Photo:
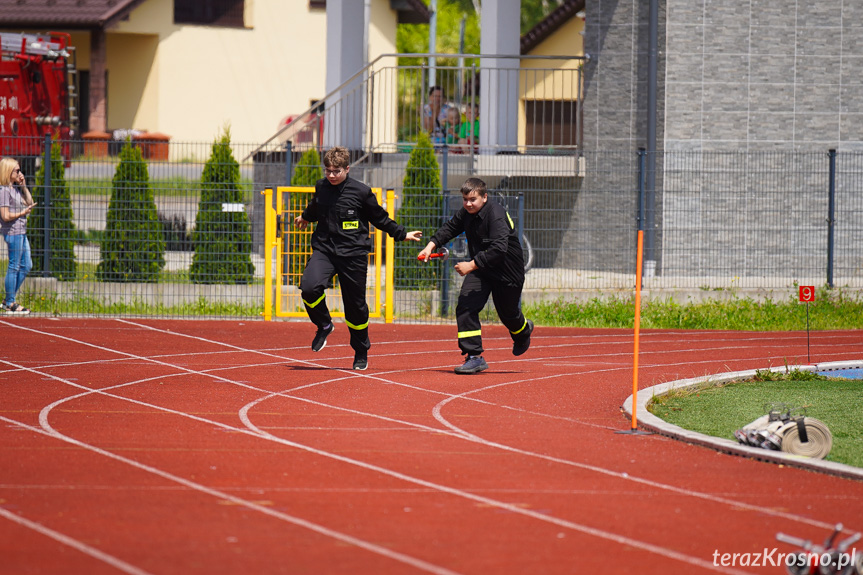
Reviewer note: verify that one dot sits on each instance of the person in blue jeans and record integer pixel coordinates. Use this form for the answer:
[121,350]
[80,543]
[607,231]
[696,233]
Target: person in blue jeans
[16,203]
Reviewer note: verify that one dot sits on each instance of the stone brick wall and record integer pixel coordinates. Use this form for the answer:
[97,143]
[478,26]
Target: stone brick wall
[746,77]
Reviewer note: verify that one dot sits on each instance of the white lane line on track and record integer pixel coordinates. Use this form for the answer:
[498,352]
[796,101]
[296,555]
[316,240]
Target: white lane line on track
[614,537]
[223,495]
[74,543]
[470,437]
[462,434]
[491,502]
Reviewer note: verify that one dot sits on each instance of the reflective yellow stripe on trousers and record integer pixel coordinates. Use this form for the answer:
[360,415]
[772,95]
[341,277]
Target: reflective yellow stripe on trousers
[319,300]
[464,334]
[521,329]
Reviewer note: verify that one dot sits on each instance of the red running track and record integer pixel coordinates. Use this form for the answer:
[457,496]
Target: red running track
[224,447]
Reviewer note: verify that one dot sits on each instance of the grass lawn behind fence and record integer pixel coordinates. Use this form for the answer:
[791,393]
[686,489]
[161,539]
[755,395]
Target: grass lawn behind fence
[720,410]
[833,309]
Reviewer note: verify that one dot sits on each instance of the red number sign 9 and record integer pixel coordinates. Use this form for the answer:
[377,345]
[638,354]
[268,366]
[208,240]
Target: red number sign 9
[807,293]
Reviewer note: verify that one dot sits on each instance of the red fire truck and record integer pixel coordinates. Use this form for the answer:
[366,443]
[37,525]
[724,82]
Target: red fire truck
[38,94]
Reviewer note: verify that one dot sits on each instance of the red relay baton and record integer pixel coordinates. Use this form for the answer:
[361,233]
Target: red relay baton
[442,254]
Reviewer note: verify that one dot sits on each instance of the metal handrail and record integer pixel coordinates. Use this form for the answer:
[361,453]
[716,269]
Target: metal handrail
[298,122]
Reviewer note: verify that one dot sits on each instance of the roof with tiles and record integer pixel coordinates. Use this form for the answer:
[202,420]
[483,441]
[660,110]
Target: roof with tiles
[550,24]
[66,14]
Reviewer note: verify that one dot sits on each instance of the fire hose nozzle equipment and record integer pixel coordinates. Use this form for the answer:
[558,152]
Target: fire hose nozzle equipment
[829,558]
[442,254]
[780,430]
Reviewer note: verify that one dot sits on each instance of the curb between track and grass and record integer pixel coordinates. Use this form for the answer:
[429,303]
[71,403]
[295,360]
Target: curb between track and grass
[650,422]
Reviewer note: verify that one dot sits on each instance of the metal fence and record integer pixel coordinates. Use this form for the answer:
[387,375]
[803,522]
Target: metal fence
[740,224]
[527,104]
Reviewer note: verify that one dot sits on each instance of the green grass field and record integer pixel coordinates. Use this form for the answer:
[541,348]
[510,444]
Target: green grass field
[720,410]
[833,309]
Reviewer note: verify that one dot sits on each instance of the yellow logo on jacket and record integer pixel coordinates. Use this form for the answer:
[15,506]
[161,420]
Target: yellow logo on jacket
[353,225]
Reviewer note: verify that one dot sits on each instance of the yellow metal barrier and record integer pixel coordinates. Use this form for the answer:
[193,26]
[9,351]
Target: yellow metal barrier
[287,249]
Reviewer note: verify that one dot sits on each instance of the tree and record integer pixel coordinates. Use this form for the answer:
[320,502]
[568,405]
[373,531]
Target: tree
[61,257]
[133,247]
[299,248]
[414,38]
[223,233]
[421,209]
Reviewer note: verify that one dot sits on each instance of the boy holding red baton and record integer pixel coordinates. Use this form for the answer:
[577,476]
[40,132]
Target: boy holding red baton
[496,269]
[343,209]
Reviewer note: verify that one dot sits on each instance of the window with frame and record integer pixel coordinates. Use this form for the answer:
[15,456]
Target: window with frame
[551,123]
[228,13]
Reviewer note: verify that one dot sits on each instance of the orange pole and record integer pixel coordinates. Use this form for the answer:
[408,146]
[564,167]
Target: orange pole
[638,264]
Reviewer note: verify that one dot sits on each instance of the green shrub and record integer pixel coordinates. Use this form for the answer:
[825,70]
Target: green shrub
[133,248]
[307,173]
[222,238]
[421,210]
[61,256]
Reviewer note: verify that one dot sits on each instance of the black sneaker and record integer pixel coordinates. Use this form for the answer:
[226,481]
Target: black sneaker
[361,360]
[521,345]
[320,341]
[472,365]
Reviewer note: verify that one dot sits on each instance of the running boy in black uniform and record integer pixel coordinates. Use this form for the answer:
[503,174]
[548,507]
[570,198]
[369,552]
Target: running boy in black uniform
[496,268]
[343,208]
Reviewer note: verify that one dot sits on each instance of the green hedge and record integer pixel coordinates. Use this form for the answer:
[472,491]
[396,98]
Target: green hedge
[307,173]
[222,237]
[133,247]
[420,210]
[61,259]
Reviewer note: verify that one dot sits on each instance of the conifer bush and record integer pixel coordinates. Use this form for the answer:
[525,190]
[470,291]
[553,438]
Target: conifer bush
[420,210]
[61,256]
[307,173]
[133,247]
[222,235]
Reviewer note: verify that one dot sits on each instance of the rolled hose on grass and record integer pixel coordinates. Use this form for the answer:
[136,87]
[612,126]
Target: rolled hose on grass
[819,443]
[784,435]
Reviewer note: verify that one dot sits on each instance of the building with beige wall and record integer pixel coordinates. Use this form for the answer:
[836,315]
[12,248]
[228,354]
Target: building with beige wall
[551,78]
[190,80]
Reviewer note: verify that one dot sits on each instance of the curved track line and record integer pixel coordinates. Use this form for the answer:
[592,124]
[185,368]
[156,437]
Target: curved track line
[457,432]
[617,474]
[463,434]
[70,542]
[50,431]
[612,536]
[222,495]
[599,533]
[43,420]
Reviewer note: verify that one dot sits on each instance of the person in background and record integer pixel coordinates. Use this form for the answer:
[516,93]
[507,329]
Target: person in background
[16,203]
[434,115]
[452,125]
[469,131]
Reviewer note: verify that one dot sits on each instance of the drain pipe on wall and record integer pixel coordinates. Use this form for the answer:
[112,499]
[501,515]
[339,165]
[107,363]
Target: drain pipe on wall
[650,226]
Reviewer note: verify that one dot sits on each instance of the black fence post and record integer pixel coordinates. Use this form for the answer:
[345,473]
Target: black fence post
[642,174]
[444,285]
[831,207]
[46,208]
[289,163]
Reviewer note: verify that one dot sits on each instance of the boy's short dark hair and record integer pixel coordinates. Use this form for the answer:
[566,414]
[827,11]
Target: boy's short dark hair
[474,185]
[337,157]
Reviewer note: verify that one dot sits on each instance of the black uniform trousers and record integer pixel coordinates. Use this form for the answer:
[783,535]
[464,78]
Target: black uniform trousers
[352,273]
[473,297]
